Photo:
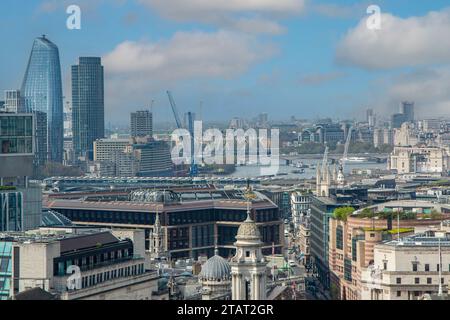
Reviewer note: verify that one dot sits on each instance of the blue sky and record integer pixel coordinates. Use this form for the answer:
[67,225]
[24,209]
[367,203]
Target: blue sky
[303,58]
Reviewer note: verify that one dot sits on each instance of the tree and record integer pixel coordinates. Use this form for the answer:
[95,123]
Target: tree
[341,214]
[311,148]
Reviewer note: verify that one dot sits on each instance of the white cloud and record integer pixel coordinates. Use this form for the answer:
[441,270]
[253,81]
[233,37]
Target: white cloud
[133,69]
[188,54]
[249,16]
[201,9]
[401,42]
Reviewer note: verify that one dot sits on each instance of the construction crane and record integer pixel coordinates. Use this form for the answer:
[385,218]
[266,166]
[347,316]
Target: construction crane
[174,109]
[347,145]
[190,128]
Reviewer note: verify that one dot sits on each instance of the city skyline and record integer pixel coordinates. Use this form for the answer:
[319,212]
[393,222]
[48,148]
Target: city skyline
[303,58]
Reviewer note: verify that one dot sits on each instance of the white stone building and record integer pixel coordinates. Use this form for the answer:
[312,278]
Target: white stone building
[409,268]
[406,160]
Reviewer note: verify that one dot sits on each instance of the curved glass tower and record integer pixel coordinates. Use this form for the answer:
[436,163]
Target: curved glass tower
[42,92]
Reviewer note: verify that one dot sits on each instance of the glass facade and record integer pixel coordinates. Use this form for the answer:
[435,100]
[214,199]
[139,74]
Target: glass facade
[348,269]
[11,203]
[42,92]
[339,237]
[16,134]
[5,269]
[88,109]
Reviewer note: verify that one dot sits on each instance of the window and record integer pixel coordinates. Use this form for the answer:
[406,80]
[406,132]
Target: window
[427,267]
[416,280]
[247,254]
[399,280]
[339,238]
[414,267]
[399,293]
[437,267]
[429,281]
[384,265]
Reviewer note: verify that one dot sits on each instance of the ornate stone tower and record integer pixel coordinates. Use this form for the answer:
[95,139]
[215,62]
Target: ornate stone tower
[323,181]
[157,240]
[341,177]
[248,266]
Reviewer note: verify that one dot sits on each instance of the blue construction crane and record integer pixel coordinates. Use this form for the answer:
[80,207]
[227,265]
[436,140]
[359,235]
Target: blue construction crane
[190,127]
[174,109]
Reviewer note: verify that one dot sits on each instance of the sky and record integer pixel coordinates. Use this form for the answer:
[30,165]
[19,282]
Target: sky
[233,58]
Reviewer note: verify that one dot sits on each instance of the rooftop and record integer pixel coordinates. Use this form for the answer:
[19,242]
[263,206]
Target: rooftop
[70,238]
[233,199]
[421,240]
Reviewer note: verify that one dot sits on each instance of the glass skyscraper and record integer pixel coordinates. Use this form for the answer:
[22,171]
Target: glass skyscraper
[42,92]
[88,109]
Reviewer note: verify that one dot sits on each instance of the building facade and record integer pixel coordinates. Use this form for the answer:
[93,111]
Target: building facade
[104,149]
[88,106]
[190,221]
[142,124]
[154,159]
[409,268]
[14,102]
[352,241]
[81,264]
[42,92]
[20,200]
[405,160]
[300,207]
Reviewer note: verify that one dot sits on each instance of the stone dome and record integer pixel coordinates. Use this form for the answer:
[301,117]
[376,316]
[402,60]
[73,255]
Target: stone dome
[248,230]
[216,268]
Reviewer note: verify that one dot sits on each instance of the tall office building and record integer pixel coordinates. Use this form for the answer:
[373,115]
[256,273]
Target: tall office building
[397,120]
[407,108]
[42,92]
[141,124]
[88,108]
[371,119]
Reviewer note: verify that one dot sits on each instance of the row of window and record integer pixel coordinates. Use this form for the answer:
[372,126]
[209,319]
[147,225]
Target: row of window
[90,262]
[417,280]
[415,267]
[98,278]
[16,126]
[178,218]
